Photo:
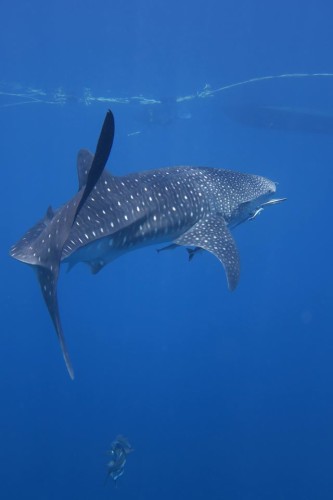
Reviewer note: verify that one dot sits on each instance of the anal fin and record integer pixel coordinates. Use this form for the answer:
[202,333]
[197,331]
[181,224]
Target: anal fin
[96,266]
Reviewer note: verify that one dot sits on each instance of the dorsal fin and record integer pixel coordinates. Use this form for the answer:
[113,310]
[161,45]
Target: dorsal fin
[84,162]
[103,149]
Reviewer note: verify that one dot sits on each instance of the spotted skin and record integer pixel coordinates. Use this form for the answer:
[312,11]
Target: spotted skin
[111,215]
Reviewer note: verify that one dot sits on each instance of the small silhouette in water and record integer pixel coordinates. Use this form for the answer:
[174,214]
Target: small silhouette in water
[119,450]
[191,251]
[287,119]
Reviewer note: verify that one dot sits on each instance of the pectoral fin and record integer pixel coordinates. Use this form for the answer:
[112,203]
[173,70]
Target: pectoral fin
[211,233]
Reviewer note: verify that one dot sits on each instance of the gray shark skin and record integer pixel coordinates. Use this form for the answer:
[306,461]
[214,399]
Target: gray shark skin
[111,215]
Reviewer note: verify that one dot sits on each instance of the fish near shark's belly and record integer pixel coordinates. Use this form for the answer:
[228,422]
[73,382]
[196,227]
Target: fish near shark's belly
[105,250]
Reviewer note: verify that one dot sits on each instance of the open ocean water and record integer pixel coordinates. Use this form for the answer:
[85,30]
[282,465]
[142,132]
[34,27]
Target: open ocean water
[223,396]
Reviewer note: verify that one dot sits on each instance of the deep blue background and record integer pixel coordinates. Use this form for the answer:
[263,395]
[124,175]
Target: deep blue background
[221,395]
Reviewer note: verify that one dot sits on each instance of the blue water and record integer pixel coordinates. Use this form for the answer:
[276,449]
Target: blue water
[222,395]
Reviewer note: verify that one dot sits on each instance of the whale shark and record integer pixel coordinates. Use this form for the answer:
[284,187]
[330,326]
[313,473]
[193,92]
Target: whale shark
[195,207]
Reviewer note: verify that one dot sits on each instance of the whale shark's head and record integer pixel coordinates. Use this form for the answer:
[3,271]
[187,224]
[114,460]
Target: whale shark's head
[258,193]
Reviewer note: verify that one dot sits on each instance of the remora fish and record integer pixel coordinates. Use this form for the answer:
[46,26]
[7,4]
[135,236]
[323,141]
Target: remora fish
[110,215]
